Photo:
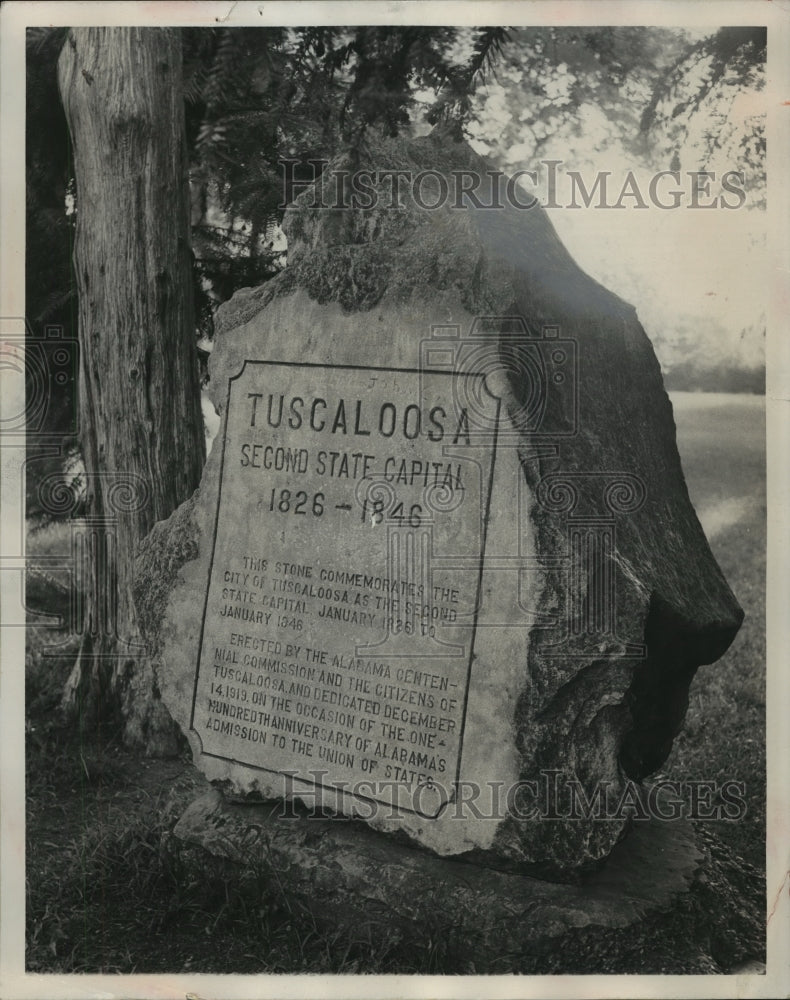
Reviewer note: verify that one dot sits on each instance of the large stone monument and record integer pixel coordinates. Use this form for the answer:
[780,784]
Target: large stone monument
[442,573]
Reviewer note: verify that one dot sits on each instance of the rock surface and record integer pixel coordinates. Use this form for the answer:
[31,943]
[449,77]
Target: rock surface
[599,596]
[669,899]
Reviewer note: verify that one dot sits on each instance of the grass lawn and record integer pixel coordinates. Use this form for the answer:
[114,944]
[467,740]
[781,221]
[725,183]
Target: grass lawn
[110,890]
[721,439]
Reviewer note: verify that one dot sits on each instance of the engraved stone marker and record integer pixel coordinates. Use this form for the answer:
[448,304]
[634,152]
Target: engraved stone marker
[442,573]
[334,645]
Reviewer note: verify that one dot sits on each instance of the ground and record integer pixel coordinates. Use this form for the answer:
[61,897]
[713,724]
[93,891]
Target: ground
[721,439]
[110,890]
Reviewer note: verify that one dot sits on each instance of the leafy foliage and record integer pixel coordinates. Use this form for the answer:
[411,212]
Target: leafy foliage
[652,92]
[50,295]
[253,96]
[698,95]
[548,76]
[256,96]
[51,298]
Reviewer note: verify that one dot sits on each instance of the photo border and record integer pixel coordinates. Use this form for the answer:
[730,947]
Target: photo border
[15,984]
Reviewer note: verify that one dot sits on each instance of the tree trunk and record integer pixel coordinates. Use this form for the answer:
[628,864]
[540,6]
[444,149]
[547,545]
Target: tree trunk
[140,418]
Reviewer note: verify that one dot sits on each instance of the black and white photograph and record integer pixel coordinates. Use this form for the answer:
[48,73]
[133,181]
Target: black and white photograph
[395,498]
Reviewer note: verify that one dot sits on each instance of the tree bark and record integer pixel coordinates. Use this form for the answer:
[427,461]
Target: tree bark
[140,418]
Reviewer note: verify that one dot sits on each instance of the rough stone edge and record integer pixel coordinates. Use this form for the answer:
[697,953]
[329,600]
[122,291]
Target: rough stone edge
[166,548]
[689,915]
[370,879]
